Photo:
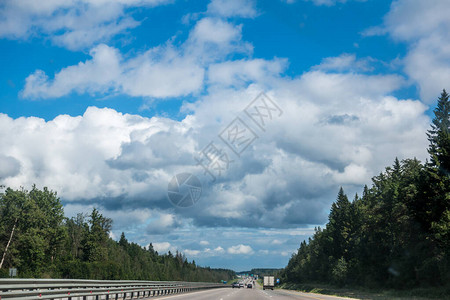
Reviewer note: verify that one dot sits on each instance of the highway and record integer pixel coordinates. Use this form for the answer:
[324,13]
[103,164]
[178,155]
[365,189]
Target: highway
[250,294]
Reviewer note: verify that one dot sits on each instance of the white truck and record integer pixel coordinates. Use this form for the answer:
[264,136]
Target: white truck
[268,282]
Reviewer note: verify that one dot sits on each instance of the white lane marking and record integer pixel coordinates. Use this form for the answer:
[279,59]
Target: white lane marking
[191,293]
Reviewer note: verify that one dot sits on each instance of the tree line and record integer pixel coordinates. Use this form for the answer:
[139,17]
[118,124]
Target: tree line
[38,240]
[397,234]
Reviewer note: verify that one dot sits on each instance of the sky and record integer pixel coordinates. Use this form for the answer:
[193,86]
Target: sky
[272,105]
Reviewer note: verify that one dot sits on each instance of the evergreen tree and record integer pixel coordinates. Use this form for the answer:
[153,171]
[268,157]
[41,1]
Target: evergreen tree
[338,227]
[123,241]
[439,135]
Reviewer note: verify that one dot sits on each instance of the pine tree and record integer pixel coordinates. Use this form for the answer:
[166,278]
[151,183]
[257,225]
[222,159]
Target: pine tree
[123,241]
[439,135]
[339,224]
[437,191]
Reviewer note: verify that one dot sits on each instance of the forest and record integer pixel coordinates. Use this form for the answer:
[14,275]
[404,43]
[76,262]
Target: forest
[38,240]
[396,234]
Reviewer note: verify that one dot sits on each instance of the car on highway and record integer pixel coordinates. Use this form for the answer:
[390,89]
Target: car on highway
[249,286]
[241,285]
[235,285]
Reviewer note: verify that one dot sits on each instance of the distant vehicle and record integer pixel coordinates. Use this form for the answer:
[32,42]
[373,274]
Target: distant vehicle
[235,285]
[241,284]
[268,282]
[249,286]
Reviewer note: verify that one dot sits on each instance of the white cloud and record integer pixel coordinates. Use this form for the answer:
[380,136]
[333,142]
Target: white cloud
[210,30]
[212,39]
[207,252]
[171,76]
[354,174]
[231,8]
[162,247]
[156,73]
[329,132]
[238,73]
[345,62]
[74,24]
[219,250]
[336,129]
[415,19]
[339,126]
[98,75]
[84,148]
[163,224]
[425,27]
[161,72]
[240,249]
[189,252]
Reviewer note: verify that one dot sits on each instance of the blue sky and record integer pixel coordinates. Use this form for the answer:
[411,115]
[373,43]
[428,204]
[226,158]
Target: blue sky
[105,101]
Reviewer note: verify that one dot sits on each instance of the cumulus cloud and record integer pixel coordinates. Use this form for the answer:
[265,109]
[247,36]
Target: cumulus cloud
[73,24]
[219,250]
[145,75]
[161,72]
[191,253]
[339,126]
[163,224]
[336,129]
[207,252]
[97,75]
[212,39]
[425,27]
[82,147]
[240,249]
[162,247]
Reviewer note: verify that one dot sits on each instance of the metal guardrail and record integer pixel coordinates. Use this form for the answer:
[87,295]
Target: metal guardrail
[71,289]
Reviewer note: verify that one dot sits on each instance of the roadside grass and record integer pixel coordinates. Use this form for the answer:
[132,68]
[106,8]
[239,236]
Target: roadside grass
[361,293]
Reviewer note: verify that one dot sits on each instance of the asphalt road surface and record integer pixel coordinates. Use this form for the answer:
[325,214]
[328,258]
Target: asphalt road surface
[249,294]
